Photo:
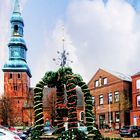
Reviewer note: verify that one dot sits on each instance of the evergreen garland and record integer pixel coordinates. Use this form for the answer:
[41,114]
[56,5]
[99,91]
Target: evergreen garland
[63,77]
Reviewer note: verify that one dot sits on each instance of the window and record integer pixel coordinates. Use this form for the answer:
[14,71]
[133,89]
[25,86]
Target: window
[10,76]
[16,28]
[15,88]
[110,116]
[18,76]
[117,116]
[101,100]
[138,84]
[93,100]
[110,98]
[104,81]
[82,116]
[138,101]
[96,83]
[116,96]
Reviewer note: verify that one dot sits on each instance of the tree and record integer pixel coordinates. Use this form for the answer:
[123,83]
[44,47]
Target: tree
[4,110]
[124,104]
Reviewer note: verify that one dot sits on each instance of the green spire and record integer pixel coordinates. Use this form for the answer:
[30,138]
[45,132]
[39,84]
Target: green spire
[16,7]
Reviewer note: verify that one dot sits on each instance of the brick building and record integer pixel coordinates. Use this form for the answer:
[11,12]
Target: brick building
[111,93]
[16,71]
[17,79]
[135,112]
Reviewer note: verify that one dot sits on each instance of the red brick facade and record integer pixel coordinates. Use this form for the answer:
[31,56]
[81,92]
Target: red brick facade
[16,88]
[109,102]
[135,112]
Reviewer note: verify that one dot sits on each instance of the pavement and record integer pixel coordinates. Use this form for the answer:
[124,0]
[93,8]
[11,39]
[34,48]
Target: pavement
[115,134]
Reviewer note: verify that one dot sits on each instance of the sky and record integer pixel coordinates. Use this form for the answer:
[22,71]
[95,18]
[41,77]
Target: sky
[98,34]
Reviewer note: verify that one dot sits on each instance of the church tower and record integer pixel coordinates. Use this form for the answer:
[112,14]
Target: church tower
[16,71]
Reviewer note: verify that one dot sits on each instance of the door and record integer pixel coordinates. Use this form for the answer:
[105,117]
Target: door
[101,121]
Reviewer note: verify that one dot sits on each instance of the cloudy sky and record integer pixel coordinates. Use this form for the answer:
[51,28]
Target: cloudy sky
[98,34]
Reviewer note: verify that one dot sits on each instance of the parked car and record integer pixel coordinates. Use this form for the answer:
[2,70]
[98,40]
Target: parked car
[132,131]
[28,131]
[48,130]
[22,135]
[8,135]
[81,127]
[18,132]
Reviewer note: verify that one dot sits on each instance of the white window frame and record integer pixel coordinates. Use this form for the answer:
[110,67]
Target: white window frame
[96,83]
[105,81]
[110,99]
[117,119]
[138,84]
[138,101]
[101,100]
[93,100]
[117,94]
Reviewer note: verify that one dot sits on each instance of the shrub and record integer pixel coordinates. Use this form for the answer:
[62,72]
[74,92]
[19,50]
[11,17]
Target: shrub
[73,134]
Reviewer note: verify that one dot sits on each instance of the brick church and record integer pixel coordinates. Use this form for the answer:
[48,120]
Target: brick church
[17,76]
[16,71]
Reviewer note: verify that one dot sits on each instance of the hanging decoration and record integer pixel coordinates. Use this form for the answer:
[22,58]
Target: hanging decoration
[63,80]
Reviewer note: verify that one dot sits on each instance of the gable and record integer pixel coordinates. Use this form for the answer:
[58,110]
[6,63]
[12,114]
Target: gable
[104,77]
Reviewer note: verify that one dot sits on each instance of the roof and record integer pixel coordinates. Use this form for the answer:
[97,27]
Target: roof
[16,15]
[16,7]
[17,66]
[17,41]
[121,76]
[138,73]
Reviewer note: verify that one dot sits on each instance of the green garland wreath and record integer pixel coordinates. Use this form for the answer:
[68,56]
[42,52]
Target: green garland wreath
[63,77]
